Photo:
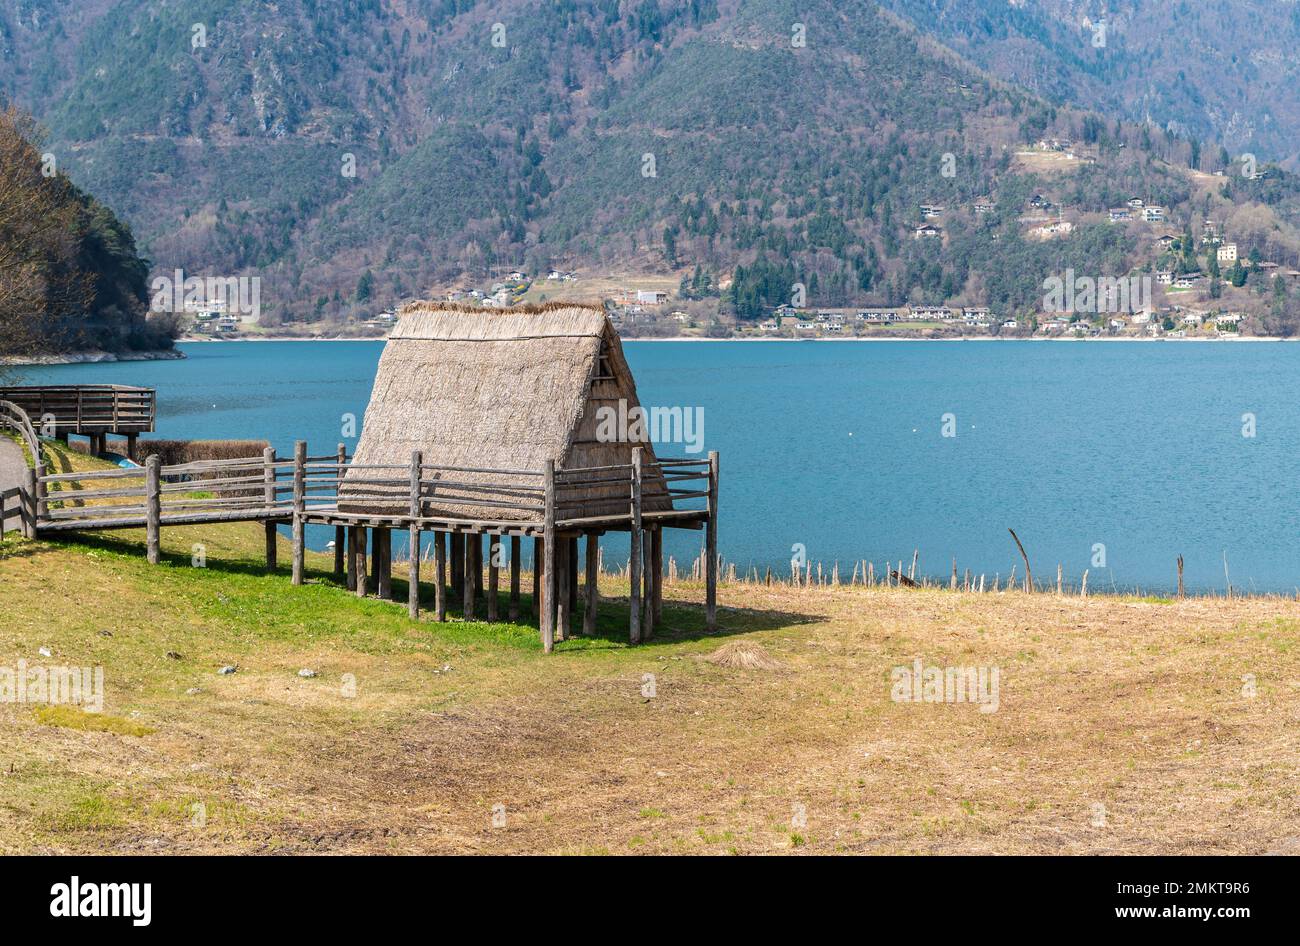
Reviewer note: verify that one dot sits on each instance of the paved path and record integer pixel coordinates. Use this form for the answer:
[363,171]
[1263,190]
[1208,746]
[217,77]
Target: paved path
[13,468]
[13,472]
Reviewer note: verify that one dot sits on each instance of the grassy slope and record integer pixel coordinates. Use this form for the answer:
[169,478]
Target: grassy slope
[1136,705]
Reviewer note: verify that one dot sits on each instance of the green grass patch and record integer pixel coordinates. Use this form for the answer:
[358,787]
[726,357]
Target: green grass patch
[69,717]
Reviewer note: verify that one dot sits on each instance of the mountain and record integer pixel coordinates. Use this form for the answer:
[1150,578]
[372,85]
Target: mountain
[1223,73]
[351,154]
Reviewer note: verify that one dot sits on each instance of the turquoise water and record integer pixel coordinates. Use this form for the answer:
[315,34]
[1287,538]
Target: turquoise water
[837,446]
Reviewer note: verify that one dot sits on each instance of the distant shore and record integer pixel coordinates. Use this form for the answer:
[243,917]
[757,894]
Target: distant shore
[91,357]
[768,338]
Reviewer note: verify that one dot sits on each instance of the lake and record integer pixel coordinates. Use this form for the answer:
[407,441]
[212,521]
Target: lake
[1131,452]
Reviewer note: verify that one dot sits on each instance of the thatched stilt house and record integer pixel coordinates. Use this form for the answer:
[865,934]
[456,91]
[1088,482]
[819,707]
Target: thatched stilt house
[508,414]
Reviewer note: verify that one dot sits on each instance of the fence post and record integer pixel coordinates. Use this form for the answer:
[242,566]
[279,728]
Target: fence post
[413,566]
[711,549]
[547,617]
[634,553]
[153,508]
[268,497]
[27,505]
[299,508]
[340,537]
[42,490]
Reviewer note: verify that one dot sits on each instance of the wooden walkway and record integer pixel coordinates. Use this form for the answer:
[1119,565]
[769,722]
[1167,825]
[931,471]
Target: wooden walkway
[366,504]
[88,410]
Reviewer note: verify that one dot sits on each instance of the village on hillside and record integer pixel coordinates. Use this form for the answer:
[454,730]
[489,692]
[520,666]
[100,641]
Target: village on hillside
[1206,286]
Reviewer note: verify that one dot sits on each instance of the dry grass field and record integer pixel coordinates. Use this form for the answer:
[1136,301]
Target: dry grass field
[1123,724]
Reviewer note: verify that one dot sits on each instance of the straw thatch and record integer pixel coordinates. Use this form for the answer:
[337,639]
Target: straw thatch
[743,655]
[500,390]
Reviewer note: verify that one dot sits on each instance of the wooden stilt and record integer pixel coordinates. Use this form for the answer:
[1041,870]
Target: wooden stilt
[711,548]
[381,545]
[413,540]
[657,569]
[593,558]
[440,570]
[476,557]
[131,440]
[513,613]
[634,556]
[360,548]
[548,565]
[494,576]
[537,581]
[647,591]
[458,564]
[572,590]
[562,604]
[350,540]
[467,576]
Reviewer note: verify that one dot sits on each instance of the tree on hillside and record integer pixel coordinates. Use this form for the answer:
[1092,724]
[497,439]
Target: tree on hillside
[70,275]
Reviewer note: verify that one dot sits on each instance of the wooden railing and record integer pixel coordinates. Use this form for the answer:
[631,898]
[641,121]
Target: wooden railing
[271,488]
[552,505]
[113,408]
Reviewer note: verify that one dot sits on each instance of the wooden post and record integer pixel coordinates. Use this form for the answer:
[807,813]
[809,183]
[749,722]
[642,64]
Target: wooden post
[440,570]
[494,576]
[299,509]
[563,611]
[457,564]
[513,612]
[657,569]
[381,554]
[131,439]
[1181,592]
[27,504]
[359,550]
[268,497]
[537,581]
[634,553]
[467,581]
[648,594]
[476,557]
[340,533]
[572,589]
[153,508]
[413,566]
[350,540]
[593,561]
[711,549]
[547,614]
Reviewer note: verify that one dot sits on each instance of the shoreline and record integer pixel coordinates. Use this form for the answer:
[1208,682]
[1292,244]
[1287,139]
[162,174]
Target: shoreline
[92,357]
[747,338]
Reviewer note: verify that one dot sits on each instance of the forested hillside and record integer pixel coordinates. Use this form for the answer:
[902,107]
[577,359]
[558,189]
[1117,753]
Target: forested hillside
[70,276]
[352,154]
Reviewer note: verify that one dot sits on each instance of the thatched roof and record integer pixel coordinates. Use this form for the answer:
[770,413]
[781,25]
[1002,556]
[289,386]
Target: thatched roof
[503,389]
